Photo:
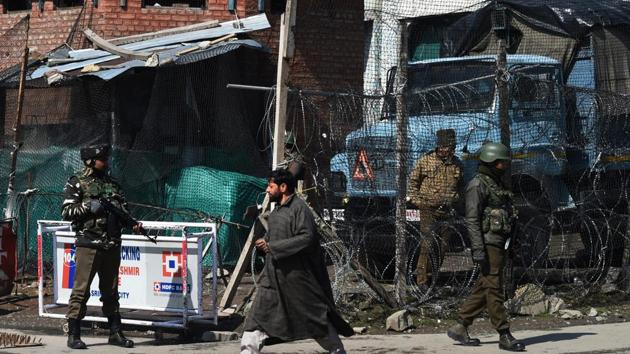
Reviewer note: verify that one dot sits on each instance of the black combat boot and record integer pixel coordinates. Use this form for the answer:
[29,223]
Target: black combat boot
[74,334]
[459,333]
[508,342]
[116,336]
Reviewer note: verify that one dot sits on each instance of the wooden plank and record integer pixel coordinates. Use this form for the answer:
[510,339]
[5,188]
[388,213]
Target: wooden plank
[114,49]
[241,266]
[164,33]
[205,44]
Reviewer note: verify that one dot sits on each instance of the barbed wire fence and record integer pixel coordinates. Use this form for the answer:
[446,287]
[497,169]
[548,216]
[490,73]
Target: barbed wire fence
[569,135]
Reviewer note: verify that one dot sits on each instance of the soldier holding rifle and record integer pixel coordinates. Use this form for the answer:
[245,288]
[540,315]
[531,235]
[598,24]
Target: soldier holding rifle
[98,242]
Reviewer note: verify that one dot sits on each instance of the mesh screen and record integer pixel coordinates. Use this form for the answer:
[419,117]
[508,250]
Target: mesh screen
[568,128]
[185,144]
[11,54]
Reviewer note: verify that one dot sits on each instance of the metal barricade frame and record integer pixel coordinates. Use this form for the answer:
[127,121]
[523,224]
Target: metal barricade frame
[65,228]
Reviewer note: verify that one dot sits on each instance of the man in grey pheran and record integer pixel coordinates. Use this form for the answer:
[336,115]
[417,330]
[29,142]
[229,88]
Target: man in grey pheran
[294,298]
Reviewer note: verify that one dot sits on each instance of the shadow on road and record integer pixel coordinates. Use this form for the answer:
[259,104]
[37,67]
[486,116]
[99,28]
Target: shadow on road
[551,337]
[555,337]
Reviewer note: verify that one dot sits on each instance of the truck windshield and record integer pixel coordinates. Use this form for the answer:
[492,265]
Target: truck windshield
[450,87]
[535,87]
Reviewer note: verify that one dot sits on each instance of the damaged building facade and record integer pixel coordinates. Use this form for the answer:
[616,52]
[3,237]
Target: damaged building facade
[182,140]
[321,27]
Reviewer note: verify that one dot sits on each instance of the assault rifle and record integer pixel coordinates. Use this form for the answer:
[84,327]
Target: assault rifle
[126,219]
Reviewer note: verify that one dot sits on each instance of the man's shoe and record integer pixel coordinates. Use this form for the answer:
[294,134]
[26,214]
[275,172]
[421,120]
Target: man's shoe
[74,335]
[116,336]
[508,342]
[120,340]
[459,333]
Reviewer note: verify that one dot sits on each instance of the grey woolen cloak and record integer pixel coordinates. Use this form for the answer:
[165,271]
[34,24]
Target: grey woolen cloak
[294,298]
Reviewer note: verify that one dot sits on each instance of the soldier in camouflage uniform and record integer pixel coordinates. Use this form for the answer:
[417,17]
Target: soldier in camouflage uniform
[489,218]
[97,243]
[434,188]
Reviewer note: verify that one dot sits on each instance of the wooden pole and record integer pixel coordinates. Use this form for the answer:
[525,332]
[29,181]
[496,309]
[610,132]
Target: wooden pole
[17,144]
[284,54]
[504,126]
[400,277]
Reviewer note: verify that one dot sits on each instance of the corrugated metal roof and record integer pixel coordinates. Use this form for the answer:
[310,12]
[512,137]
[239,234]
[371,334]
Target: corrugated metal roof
[42,70]
[213,51]
[248,24]
[218,49]
[166,49]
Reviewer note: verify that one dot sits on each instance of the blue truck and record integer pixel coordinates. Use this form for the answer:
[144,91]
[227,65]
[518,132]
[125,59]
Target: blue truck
[458,93]
[598,152]
[599,139]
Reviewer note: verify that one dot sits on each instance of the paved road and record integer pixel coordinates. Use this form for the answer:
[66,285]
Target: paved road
[603,338]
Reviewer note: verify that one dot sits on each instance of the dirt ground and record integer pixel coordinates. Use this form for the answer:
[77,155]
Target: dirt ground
[21,312]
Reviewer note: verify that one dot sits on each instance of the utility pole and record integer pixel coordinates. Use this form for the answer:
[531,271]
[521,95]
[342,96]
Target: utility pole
[500,25]
[504,99]
[17,143]
[285,53]
[400,277]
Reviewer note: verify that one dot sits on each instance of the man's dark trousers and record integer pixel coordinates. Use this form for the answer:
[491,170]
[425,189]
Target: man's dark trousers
[488,292]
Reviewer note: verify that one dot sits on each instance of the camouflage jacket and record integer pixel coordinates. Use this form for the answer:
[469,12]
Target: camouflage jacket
[435,183]
[93,231]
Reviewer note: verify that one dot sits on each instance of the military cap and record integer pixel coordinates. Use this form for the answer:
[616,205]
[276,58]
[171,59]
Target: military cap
[95,152]
[445,137]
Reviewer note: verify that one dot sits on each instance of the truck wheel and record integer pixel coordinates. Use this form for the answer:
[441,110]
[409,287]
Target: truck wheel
[530,194]
[609,189]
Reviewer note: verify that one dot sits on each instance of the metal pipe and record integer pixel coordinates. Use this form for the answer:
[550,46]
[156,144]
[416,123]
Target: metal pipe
[215,269]
[251,87]
[301,91]
[124,321]
[40,271]
[184,275]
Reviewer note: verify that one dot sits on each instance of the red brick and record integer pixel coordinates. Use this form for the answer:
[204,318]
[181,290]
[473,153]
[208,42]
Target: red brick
[318,63]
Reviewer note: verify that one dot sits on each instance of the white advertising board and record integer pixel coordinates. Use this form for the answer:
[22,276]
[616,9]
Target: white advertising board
[150,275]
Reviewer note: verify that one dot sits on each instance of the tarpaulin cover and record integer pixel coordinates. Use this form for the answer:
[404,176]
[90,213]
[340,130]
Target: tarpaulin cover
[574,18]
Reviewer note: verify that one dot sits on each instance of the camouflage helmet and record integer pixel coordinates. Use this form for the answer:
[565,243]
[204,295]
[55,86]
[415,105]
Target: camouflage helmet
[95,152]
[491,152]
